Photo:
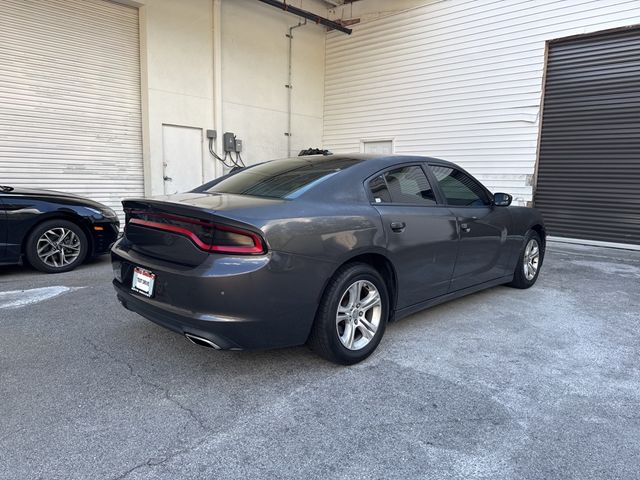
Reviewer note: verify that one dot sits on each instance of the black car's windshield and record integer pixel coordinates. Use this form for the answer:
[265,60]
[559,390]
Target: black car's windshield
[288,178]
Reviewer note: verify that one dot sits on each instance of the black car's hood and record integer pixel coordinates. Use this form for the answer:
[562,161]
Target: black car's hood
[52,195]
[39,192]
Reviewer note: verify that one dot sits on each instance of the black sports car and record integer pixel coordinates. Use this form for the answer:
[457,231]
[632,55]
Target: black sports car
[54,231]
[324,250]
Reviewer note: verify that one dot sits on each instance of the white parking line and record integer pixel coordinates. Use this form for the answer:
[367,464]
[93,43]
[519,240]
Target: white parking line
[22,298]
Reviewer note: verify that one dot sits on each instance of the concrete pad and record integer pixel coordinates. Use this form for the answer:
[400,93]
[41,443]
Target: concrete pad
[535,384]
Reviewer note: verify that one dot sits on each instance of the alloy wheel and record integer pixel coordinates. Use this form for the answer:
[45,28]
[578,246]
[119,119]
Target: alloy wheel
[359,314]
[58,247]
[531,259]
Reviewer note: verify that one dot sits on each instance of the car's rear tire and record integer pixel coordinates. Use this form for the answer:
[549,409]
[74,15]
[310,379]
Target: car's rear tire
[529,261]
[56,246]
[352,315]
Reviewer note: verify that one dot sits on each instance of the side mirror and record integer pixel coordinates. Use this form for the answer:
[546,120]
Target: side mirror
[502,199]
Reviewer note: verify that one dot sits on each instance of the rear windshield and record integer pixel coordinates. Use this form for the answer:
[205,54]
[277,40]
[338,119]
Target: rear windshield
[288,178]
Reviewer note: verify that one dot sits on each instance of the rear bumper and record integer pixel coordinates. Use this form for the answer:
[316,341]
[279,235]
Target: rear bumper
[235,302]
[226,333]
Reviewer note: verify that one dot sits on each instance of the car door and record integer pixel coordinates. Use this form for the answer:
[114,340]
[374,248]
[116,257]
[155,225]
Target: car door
[421,233]
[482,227]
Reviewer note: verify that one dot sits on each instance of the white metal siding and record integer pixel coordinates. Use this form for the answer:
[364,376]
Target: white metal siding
[455,79]
[70,98]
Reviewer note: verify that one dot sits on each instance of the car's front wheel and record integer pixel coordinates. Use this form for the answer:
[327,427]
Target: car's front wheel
[529,261]
[56,246]
[352,315]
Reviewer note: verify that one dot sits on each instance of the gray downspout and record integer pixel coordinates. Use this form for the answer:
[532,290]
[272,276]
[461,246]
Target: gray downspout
[289,86]
[217,82]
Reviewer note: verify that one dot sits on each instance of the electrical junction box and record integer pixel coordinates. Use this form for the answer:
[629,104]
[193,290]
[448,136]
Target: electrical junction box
[229,142]
[238,145]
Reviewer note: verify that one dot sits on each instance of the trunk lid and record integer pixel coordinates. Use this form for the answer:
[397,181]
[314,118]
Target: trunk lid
[214,202]
[186,228]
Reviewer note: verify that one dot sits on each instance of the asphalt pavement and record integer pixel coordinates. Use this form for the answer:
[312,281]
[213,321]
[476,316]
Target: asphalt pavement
[503,384]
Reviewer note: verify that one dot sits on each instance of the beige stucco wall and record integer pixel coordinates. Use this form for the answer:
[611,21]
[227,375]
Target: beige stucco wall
[254,75]
[177,49]
[177,76]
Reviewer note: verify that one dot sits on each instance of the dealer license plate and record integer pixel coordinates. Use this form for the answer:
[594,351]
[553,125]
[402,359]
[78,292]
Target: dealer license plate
[143,281]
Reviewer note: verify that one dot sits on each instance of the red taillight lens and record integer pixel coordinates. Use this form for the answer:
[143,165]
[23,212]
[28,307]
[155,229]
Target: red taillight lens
[233,240]
[207,236]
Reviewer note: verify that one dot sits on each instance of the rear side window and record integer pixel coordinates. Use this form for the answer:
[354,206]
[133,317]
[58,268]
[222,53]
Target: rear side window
[403,185]
[379,190]
[459,188]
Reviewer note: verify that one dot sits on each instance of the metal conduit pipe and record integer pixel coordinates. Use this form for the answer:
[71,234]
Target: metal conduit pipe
[308,15]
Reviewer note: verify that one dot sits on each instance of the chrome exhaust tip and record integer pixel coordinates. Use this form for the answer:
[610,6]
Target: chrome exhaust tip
[203,342]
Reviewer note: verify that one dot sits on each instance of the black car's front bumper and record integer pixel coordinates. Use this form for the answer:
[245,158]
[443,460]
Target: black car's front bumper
[103,235]
[236,302]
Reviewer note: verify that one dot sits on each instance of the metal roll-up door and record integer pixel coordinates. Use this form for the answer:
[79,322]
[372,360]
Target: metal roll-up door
[70,98]
[588,182]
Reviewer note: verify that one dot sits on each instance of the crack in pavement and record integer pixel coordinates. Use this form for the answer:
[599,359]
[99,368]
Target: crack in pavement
[164,390]
[151,463]
[225,434]
[167,395]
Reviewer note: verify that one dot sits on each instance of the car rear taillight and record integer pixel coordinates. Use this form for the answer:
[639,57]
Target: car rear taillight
[207,236]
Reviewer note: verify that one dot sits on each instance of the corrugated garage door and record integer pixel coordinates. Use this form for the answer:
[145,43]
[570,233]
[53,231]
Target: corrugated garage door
[589,169]
[70,98]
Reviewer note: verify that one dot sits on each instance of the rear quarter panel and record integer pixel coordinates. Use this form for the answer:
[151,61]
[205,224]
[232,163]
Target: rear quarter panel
[334,221]
[328,232]
[319,237]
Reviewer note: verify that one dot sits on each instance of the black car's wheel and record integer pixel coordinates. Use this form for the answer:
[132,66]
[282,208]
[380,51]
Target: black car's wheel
[529,261]
[56,246]
[352,315]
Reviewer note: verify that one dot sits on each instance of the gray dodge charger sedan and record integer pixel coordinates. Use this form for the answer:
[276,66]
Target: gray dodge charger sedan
[324,250]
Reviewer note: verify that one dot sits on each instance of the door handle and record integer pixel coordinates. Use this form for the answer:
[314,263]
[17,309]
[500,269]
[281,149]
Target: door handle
[398,226]
[465,227]
[168,179]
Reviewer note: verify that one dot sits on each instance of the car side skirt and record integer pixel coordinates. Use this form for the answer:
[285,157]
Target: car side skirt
[405,312]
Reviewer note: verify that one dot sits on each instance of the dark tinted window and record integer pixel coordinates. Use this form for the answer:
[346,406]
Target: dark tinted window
[379,190]
[403,185]
[458,188]
[286,178]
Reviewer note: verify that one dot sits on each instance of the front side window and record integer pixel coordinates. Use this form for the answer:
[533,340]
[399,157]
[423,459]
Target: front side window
[408,185]
[459,188]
